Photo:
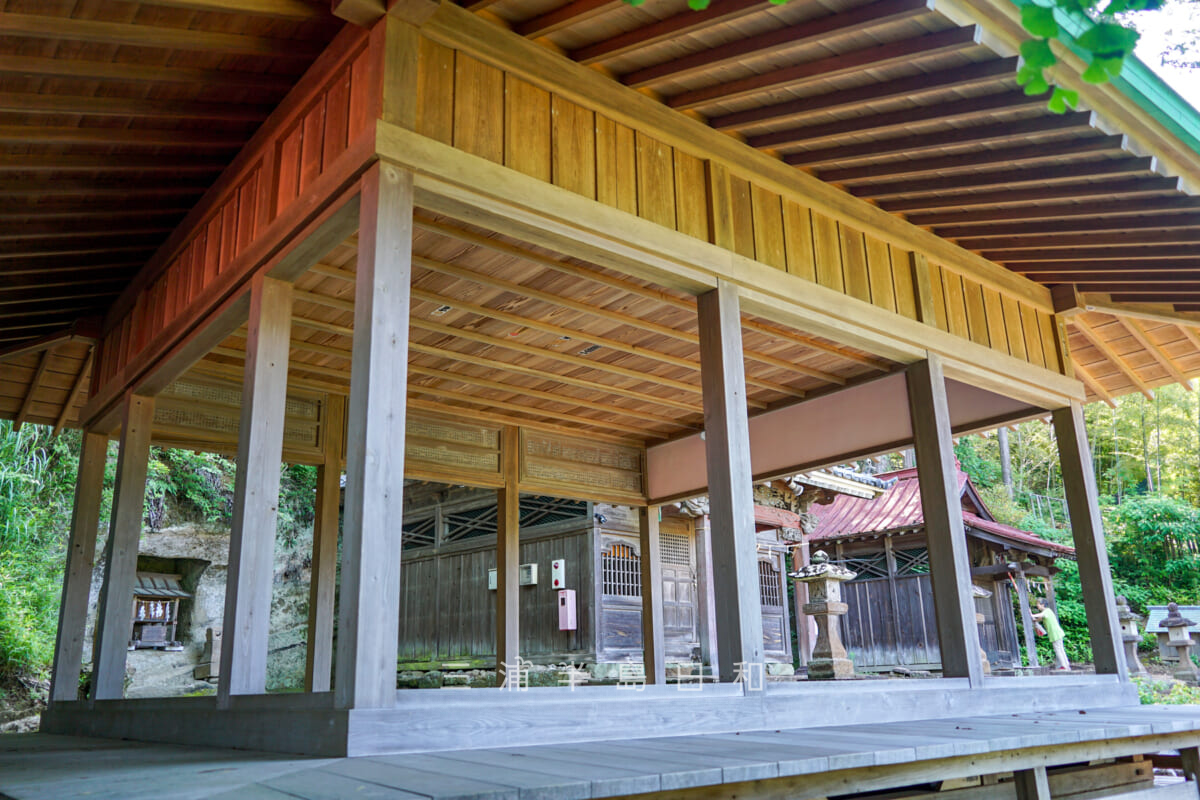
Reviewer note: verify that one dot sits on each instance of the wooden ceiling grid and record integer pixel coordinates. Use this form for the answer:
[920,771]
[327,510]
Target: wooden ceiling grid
[48,385]
[1120,354]
[114,118]
[518,333]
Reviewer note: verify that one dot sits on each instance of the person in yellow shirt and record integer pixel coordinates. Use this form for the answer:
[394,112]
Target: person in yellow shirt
[1054,633]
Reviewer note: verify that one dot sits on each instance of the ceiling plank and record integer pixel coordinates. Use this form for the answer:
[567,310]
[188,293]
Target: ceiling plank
[1151,205]
[1068,240]
[1135,187]
[156,36]
[137,73]
[1040,176]
[122,137]
[777,42]
[105,188]
[1114,279]
[19,251]
[1074,225]
[1102,253]
[76,391]
[36,103]
[904,51]
[971,75]
[1106,350]
[671,27]
[283,9]
[34,229]
[1137,332]
[34,384]
[937,141]
[41,295]
[555,19]
[940,112]
[61,163]
[1094,385]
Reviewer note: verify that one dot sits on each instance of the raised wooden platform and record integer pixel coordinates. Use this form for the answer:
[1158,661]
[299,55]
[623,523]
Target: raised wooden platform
[793,762]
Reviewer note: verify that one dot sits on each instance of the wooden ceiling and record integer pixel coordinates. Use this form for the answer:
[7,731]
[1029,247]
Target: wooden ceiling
[114,118]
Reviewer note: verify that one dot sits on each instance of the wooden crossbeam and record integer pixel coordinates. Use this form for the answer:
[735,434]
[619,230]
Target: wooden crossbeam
[664,29]
[17,251]
[325,300]
[1094,384]
[945,113]
[122,137]
[332,272]
[35,103]
[35,228]
[34,384]
[1090,210]
[1139,333]
[907,51]
[573,12]
[1087,253]
[1136,187]
[1091,239]
[934,142]
[911,88]
[778,41]
[108,164]
[1106,350]
[284,9]
[85,370]
[156,36]
[100,188]
[26,296]
[1151,224]
[1133,268]
[138,73]
[1115,282]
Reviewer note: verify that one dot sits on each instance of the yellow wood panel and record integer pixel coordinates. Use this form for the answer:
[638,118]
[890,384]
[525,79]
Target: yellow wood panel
[1049,341]
[768,227]
[879,269]
[1033,336]
[956,309]
[435,88]
[828,252]
[741,216]
[976,312]
[478,108]
[1012,326]
[573,147]
[798,238]
[655,181]
[691,196]
[854,263]
[526,128]
[902,282]
[994,309]
[937,296]
[616,165]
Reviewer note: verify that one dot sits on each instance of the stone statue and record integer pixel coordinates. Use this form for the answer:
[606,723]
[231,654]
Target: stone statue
[1130,635]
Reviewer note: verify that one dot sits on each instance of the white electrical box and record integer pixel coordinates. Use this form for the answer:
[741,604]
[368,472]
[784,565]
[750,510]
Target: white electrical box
[558,574]
[567,618]
[528,575]
[492,579]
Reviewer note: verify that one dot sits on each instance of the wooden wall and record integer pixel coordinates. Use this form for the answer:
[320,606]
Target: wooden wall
[487,112]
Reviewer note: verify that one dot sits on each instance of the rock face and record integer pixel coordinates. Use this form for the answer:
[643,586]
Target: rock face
[200,553]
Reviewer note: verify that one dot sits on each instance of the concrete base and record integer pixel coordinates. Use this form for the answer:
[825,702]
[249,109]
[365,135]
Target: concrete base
[830,669]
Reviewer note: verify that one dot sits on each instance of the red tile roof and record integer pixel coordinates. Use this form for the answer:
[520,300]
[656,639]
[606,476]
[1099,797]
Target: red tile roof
[899,509]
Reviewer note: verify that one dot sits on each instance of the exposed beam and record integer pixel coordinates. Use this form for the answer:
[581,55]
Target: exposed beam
[284,9]
[909,88]
[332,272]
[35,103]
[156,36]
[1136,187]
[122,137]
[1106,350]
[1101,270]
[1091,210]
[1137,332]
[777,42]
[15,251]
[1101,304]
[99,188]
[1093,239]
[34,66]
[1040,176]
[1159,223]
[936,112]
[1148,293]
[1053,152]
[907,51]
[76,391]
[1112,281]
[936,142]
[36,228]
[557,18]
[25,297]
[1094,384]
[35,383]
[49,274]
[60,163]
[1103,253]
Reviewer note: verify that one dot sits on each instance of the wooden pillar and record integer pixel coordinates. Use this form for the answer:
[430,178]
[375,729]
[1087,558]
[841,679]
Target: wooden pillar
[949,563]
[1026,618]
[369,603]
[114,619]
[77,577]
[893,592]
[800,597]
[1079,484]
[730,486]
[508,557]
[1031,784]
[256,492]
[705,600]
[1189,760]
[318,661]
[654,641]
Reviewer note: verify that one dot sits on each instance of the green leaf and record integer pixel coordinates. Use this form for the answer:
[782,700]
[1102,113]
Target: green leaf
[698,5]
[1039,21]
[1103,69]
[1108,40]
[1061,99]
[1037,53]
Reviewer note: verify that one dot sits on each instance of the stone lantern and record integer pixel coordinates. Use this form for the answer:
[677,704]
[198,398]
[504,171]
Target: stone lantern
[824,581]
[978,592]
[1179,636]
[1130,635]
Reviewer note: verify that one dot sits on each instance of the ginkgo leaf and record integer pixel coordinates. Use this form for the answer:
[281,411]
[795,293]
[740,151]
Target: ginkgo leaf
[1039,21]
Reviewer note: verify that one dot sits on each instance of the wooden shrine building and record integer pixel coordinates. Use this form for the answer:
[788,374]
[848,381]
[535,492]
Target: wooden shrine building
[583,250]
[891,620]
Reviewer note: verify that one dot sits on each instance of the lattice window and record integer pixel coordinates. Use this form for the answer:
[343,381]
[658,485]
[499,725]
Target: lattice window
[417,534]
[621,569]
[768,584]
[914,561]
[867,565]
[676,549]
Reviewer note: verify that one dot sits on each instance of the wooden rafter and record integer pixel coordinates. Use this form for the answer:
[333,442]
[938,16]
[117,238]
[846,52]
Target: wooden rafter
[284,9]
[558,18]
[1098,253]
[1106,350]
[1131,188]
[121,137]
[1094,385]
[137,73]
[34,384]
[90,105]
[107,165]
[1137,332]
[76,390]
[1104,270]
[1092,239]
[1089,210]
[664,30]
[1162,224]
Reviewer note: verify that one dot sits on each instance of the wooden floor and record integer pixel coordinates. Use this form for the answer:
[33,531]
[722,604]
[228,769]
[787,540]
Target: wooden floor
[819,760]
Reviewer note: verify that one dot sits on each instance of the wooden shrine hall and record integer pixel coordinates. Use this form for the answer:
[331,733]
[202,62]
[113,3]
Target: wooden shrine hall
[580,249]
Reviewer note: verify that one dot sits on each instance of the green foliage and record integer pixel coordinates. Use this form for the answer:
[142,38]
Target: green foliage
[1154,542]
[977,460]
[297,491]
[1159,692]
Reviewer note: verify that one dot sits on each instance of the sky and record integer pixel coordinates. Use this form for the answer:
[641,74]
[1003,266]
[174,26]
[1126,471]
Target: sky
[1160,29]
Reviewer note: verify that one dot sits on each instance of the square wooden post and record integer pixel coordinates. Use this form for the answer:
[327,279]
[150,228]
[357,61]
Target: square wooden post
[114,619]
[77,577]
[730,486]
[369,603]
[1026,617]
[256,492]
[949,562]
[1032,784]
[508,559]
[653,639]
[318,661]
[1079,483]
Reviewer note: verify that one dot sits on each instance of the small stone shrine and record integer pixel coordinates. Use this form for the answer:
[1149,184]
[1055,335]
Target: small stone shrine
[1180,637]
[824,581]
[1130,635]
